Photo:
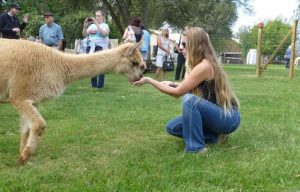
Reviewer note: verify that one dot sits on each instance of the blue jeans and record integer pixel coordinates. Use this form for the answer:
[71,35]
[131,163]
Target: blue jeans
[287,63]
[100,83]
[202,121]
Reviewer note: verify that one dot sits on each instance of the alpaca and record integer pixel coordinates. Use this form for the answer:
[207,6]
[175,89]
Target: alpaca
[32,72]
[296,62]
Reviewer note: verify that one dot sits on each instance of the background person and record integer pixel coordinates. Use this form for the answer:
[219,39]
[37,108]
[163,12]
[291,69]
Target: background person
[287,57]
[96,31]
[10,26]
[163,51]
[133,32]
[210,109]
[50,33]
[180,68]
[145,46]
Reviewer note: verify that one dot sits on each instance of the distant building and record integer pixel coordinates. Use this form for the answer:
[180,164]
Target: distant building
[251,57]
[231,53]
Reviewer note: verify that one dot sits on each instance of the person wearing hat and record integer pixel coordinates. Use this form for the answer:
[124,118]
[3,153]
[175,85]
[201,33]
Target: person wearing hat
[51,33]
[10,26]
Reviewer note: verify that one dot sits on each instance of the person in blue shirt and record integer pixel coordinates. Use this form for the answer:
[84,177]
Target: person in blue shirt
[145,46]
[51,33]
[287,57]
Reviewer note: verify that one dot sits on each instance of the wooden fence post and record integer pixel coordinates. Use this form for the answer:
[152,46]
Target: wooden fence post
[293,44]
[258,50]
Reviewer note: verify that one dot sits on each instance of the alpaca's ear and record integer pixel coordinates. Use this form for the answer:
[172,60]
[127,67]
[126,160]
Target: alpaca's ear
[131,49]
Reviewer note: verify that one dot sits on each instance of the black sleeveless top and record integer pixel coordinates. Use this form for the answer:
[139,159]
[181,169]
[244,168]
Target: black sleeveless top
[208,93]
[138,36]
[138,33]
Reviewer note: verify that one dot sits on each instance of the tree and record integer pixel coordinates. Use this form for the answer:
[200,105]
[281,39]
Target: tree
[246,40]
[273,33]
[2,4]
[296,16]
[59,7]
[215,16]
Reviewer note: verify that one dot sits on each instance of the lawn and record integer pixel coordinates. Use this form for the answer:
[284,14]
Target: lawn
[114,140]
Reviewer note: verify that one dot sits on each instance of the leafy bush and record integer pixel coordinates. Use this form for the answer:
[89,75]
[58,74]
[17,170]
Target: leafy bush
[113,34]
[72,25]
[35,22]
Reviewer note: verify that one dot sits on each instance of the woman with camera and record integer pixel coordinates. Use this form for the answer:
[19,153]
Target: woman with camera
[96,31]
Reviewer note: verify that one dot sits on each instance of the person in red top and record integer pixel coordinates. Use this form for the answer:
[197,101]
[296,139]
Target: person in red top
[133,32]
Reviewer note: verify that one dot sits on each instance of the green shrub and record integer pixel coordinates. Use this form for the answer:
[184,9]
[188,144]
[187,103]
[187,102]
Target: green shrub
[113,34]
[72,25]
[36,20]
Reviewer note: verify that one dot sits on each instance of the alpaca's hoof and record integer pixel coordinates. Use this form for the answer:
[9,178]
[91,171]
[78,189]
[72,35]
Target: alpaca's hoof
[22,160]
[25,156]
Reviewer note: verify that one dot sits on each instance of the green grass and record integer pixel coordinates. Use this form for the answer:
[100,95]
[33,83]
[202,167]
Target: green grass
[114,140]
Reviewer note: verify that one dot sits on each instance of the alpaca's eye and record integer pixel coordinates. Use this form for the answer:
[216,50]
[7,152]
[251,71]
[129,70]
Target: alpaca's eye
[134,63]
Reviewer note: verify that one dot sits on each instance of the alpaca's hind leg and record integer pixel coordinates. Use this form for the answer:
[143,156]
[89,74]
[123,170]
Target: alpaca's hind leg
[37,125]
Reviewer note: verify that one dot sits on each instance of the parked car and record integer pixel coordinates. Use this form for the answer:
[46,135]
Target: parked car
[278,60]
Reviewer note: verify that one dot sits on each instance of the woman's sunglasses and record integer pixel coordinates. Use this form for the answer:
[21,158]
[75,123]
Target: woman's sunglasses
[183,44]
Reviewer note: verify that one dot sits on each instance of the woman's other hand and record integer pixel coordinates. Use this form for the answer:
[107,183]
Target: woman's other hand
[169,83]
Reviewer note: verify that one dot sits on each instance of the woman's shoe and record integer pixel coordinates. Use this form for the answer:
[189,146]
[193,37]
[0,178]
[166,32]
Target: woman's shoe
[222,138]
[203,152]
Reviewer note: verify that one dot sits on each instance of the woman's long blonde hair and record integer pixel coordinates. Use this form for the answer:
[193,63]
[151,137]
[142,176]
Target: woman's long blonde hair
[199,47]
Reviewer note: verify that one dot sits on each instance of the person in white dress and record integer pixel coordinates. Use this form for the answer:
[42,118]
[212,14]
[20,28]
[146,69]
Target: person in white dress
[163,51]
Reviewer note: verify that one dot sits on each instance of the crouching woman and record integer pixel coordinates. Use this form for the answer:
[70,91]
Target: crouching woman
[210,109]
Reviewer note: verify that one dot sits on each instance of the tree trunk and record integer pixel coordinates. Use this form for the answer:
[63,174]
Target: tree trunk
[145,13]
[114,16]
[124,10]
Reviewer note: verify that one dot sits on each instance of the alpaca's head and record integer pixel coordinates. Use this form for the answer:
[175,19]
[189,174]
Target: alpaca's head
[132,62]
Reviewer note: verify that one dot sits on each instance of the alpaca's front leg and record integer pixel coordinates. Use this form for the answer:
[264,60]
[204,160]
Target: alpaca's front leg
[25,124]
[30,137]
[23,139]
[35,133]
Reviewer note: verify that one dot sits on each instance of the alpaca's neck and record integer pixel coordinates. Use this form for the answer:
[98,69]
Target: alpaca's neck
[82,66]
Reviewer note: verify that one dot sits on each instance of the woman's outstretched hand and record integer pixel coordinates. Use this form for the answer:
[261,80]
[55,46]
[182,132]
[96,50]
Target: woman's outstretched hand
[142,81]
